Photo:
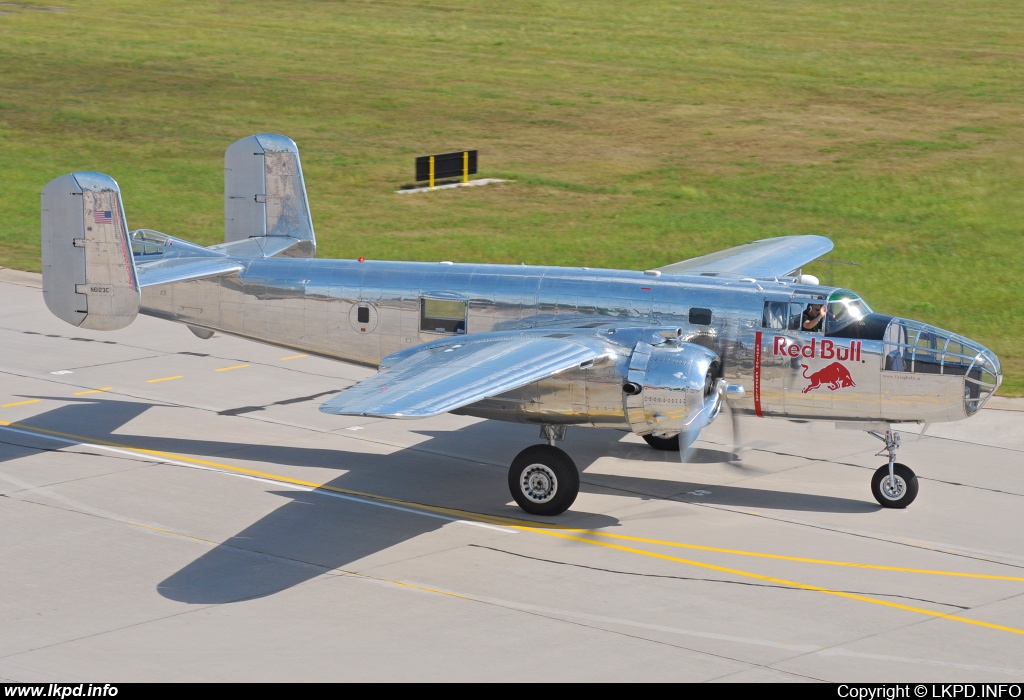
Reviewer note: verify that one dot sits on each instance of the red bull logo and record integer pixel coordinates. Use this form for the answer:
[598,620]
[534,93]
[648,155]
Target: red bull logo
[834,376]
[820,348]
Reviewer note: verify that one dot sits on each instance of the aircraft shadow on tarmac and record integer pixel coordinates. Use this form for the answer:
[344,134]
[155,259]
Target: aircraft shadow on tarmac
[314,532]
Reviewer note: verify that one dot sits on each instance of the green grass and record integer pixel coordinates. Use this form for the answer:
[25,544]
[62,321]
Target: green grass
[633,134]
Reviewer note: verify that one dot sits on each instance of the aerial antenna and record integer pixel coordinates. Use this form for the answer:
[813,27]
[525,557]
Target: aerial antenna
[832,270]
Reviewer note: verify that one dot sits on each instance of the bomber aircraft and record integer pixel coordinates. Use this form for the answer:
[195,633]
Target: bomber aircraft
[657,352]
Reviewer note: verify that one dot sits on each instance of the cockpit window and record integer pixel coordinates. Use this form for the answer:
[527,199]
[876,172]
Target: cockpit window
[844,308]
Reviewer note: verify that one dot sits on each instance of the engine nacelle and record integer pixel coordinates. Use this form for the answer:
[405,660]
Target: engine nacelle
[668,387]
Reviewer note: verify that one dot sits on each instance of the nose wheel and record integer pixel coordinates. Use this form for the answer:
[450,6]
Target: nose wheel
[896,490]
[893,485]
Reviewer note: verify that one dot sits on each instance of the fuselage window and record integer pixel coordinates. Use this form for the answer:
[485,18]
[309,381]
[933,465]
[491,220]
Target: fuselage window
[774,315]
[363,314]
[700,317]
[442,315]
[782,315]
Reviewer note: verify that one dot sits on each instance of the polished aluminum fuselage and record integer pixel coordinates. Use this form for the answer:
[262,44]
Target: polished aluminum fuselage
[361,312]
[654,352]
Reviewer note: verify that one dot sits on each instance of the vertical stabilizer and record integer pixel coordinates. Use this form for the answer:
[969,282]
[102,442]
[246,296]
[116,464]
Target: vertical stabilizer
[89,275]
[264,193]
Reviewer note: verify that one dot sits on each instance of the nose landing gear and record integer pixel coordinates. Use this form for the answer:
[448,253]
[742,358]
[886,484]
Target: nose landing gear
[894,485]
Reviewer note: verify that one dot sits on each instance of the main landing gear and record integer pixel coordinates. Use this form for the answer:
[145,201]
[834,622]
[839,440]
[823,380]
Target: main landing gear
[543,479]
[894,485]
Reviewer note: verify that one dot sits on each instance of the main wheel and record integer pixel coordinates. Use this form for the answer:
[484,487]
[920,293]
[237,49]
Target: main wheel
[671,444]
[543,480]
[900,491]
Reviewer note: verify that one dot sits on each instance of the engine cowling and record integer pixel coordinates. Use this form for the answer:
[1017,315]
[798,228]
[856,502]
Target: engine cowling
[670,388]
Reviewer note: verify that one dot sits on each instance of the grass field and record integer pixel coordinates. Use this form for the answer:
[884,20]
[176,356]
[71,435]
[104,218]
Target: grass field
[632,134]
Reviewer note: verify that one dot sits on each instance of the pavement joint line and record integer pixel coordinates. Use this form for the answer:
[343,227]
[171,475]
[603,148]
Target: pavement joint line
[805,560]
[787,583]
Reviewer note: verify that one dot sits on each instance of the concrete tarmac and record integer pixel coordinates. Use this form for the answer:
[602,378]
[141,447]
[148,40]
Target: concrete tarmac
[175,509]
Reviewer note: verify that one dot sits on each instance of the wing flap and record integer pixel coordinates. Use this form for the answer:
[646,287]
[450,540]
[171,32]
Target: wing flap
[770,257]
[456,373]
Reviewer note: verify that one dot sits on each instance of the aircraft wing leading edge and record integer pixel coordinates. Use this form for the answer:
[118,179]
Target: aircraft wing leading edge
[771,257]
[447,375]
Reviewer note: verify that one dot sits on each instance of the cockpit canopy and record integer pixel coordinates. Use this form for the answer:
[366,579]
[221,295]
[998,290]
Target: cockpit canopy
[146,241]
[844,309]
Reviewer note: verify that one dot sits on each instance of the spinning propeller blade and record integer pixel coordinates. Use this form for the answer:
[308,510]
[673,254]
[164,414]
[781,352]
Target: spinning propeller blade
[714,392]
[713,406]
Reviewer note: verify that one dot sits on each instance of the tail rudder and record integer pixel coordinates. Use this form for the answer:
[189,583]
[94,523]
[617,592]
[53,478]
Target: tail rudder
[89,277]
[265,195]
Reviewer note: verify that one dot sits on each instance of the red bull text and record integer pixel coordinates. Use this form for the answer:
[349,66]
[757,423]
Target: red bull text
[822,349]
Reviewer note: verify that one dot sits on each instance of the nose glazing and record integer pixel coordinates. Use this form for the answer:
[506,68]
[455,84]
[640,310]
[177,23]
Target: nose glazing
[911,346]
[982,379]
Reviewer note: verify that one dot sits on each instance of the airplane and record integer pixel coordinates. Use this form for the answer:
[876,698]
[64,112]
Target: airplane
[655,352]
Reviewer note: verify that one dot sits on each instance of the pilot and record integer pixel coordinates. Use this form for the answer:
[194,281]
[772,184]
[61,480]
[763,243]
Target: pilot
[813,316]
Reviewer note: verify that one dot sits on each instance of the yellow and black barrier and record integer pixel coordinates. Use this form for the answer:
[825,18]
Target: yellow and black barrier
[444,165]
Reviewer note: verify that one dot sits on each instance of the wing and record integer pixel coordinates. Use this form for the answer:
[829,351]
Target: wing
[445,375]
[771,257]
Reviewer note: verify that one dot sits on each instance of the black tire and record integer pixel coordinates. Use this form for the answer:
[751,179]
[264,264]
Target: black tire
[671,444]
[898,495]
[543,480]
[668,444]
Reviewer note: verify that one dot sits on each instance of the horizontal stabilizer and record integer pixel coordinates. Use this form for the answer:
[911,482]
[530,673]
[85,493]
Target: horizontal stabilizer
[260,247]
[771,257]
[89,277]
[184,269]
[449,374]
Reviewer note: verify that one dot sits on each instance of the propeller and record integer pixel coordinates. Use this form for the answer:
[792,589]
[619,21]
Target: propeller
[717,392]
[716,398]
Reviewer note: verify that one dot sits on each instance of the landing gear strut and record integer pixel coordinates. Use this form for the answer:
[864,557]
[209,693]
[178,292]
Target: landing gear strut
[543,479]
[894,485]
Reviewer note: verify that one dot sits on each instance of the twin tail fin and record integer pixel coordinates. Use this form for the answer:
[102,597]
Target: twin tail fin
[89,276]
[92,279]
[265,196]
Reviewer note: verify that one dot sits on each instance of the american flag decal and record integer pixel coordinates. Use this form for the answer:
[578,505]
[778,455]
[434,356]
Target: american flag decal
[103,217]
